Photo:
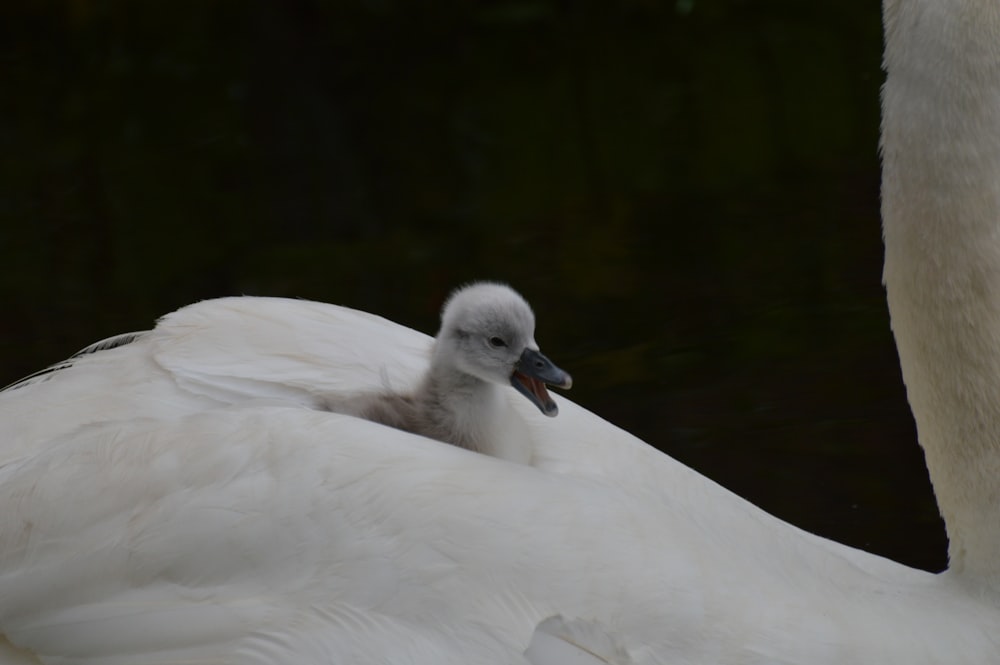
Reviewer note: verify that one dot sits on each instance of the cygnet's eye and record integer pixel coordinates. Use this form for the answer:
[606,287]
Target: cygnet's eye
[497,342]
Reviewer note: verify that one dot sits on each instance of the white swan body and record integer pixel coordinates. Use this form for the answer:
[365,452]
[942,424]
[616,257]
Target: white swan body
[177,499]
[209,515]
[486,345]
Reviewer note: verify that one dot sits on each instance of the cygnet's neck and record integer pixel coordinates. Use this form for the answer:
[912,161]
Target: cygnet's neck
[941,214]
[473,413]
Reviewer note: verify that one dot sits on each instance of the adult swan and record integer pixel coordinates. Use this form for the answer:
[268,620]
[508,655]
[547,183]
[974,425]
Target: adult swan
[173,500]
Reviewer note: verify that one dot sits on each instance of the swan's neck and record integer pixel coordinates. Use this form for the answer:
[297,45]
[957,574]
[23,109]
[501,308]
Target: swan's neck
[941,215]
[476,414]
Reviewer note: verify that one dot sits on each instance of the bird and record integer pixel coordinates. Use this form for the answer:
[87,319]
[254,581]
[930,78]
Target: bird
[486,341]
[177,496]
[941,222]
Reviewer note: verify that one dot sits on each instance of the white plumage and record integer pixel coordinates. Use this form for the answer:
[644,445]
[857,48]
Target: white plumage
[179,500]
[212,517]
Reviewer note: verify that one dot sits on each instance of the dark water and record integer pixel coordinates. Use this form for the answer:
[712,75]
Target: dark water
[687,192]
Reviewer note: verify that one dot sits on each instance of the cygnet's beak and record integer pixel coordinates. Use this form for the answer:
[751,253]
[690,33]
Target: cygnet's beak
[531,374]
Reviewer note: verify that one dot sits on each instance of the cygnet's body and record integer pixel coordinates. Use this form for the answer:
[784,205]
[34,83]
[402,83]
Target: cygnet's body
[486,343]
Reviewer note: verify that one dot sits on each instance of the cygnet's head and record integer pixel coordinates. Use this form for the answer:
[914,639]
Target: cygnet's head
[488,331]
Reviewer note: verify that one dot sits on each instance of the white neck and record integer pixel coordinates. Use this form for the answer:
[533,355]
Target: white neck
[478,413]
[941,215]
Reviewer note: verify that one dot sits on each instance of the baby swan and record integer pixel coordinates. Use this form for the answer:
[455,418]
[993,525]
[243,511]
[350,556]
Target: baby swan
[486,342]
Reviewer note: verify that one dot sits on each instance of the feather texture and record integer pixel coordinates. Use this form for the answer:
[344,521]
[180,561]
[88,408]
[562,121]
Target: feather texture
[210,514]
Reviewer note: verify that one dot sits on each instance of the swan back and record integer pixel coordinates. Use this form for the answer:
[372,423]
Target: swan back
[241,350]
[198,508]
[280,534]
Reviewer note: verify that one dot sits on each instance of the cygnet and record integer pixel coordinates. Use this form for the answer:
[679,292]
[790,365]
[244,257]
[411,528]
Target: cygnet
[486,343]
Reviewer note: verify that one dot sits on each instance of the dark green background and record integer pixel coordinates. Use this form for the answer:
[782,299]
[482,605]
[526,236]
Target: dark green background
[686,191]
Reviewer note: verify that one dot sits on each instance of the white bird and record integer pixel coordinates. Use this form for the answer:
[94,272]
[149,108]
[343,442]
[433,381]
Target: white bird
[486,341]
[176,499]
